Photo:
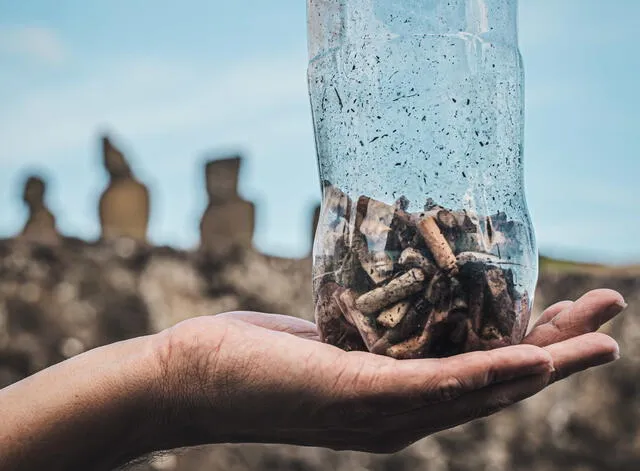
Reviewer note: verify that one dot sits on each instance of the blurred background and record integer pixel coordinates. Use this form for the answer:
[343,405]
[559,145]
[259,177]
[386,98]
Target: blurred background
[174,83]
[116,100]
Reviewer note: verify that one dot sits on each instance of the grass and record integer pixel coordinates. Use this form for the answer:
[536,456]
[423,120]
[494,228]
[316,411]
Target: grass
[548,263]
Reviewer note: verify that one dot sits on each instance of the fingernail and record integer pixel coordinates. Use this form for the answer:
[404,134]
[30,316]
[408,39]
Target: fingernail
[617,355]
[622,304]
[615,309]
[543,368]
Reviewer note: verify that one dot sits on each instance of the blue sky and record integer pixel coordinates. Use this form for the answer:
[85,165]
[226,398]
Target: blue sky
[176,82]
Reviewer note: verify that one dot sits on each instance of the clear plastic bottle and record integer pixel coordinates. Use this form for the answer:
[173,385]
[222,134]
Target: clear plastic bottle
[424,246]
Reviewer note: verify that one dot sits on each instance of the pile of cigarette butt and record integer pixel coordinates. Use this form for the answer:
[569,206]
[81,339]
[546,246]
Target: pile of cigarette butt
[414,285]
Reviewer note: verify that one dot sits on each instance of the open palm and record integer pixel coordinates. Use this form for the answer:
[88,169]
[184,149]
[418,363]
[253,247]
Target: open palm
[253,377]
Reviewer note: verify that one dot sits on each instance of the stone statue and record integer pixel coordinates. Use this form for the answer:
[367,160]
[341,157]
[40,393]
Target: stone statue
[228,222]
[41,224]
[124,205]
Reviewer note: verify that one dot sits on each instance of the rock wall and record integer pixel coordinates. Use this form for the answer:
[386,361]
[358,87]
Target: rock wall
[56,302]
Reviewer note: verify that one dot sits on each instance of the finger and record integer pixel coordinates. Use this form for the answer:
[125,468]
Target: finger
[552,311]
[416,383]
[478,404]
[469,372]
[581,353]
[496,397]
[569,357]
[586,315]
[288,324]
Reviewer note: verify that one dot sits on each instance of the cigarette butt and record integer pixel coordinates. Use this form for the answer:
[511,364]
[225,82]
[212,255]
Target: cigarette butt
[476,257]
[404,232]
[355,317]
[413,258]
[476,302]
[439,292]
[459,302]
[394,291]
[332,326]
[377,265]
[476,343]
[446,219]
[438,245]
[393,315]
[411,323]
[412,348]
[501,305]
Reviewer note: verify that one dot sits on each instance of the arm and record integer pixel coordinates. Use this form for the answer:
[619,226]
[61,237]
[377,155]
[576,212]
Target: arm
[249,377]
[94,411]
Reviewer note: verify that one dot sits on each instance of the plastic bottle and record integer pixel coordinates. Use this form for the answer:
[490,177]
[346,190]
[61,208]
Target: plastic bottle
[424,246]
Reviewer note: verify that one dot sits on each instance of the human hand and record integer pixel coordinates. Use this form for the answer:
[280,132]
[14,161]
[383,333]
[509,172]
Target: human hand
[251,377]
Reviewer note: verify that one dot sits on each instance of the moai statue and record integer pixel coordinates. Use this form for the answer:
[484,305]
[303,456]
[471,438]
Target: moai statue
[41,224]
[124,205]
[228,222]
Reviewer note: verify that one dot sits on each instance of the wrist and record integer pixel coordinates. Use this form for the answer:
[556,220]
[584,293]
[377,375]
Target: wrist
[181,413]
[138,392]
[122,399]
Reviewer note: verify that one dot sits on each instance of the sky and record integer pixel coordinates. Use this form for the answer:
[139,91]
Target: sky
[177,83]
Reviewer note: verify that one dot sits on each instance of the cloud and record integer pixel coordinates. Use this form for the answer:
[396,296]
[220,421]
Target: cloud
[145,97]
[35,43]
